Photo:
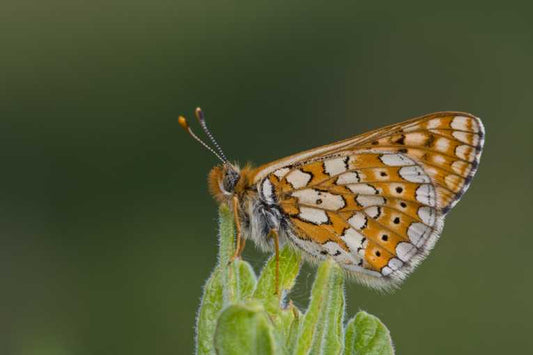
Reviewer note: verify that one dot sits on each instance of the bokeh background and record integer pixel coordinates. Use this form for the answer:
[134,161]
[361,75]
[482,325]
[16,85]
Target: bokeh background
[107,230]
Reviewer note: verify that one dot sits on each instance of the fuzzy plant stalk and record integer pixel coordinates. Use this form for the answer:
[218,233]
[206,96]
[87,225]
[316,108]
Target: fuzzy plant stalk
[240,313]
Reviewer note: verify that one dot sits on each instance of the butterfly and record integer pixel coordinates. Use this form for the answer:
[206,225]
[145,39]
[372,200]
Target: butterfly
[375,203]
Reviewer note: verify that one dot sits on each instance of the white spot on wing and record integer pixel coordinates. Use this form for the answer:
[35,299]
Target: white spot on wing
[362,249]
[362,189]
[465,137]
[335,166]
[426,194]
[405,251]
[465,152]
[453,181]
[418,233]
[386,271]
[395,263]
[320,199]
[462,123]
[442,144]
[461,167]
[434,123]
[313,215]
[372,212]
[427,215]
[280,173]
[353,239]
[366,201]
[358,221]
[396,160]
[414,174]
[415,138]
[307,196]
[348,178]
[298,178]
[439,159]
[268,191]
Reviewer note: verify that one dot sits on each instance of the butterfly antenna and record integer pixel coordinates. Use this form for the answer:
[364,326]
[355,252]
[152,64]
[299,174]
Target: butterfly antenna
[201,118]
[185,125]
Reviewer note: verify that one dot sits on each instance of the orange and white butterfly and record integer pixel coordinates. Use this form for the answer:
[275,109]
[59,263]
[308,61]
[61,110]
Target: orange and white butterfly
[375,203]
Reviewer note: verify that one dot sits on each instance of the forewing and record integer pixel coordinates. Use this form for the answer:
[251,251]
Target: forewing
[377,205]
[446,145]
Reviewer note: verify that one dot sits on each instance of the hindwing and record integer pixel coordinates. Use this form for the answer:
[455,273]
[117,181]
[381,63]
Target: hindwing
[376,202]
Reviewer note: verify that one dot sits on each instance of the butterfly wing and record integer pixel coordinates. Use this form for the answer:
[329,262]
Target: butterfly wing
[376,202]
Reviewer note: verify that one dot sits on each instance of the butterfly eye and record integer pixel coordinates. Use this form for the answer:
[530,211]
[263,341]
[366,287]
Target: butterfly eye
[230,179]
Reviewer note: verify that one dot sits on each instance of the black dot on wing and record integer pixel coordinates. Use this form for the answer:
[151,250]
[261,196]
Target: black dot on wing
[396,220]
[378,253]
[403,204]
[399,189]
[384,237]
[323,252]
[383,173]
[319,201]
[375,143]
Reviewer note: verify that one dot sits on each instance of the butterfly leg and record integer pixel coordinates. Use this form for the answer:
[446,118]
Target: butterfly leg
[240,241]
[274,234]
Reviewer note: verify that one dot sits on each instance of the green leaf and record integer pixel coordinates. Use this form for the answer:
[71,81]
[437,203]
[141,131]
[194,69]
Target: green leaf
[226,232]
[321,328]
[239,275]
[229,283]
[366,334]
[240,282]
[240,314]
[210,307]
[245,329]
[287,325]
[247,280]
[289,267]
[284,317]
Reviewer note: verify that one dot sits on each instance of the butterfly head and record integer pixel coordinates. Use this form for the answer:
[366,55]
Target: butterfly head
[223,178]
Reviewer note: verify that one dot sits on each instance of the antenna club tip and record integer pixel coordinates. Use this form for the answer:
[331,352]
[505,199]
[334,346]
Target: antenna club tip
[199,113]
[183,122]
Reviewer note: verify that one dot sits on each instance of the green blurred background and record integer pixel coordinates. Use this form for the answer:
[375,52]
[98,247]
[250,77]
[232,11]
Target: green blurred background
[107,229]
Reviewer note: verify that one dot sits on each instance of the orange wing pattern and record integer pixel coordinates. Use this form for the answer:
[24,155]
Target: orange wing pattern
[447,146]
[376,202]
